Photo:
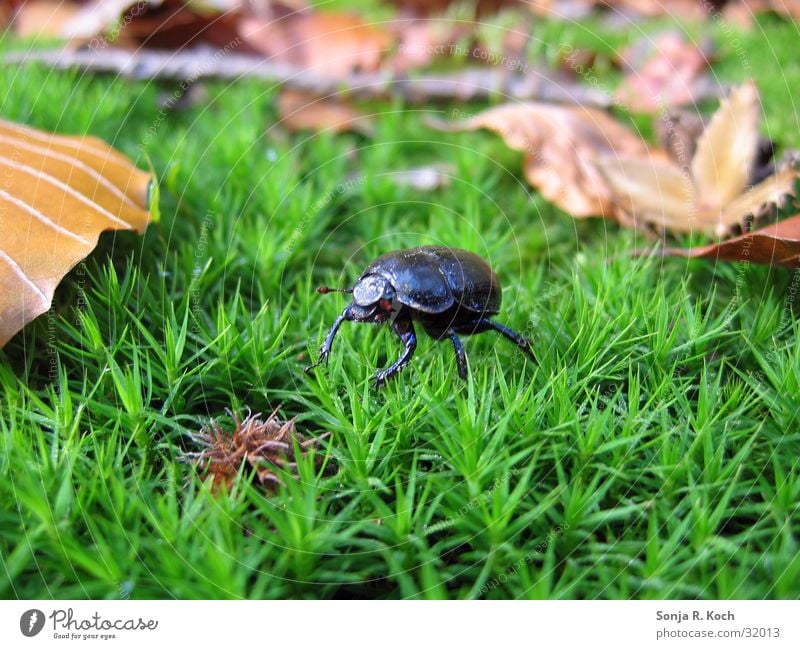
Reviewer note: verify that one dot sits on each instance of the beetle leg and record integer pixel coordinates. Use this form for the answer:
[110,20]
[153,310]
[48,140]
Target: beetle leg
[325,350]
[518,339]
[461,356]
[404,329]
[484,324]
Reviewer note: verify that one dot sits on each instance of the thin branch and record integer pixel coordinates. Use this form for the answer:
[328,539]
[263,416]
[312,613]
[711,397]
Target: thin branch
[206,63]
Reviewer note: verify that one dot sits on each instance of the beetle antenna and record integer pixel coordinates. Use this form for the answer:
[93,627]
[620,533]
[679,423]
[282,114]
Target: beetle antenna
[328,289]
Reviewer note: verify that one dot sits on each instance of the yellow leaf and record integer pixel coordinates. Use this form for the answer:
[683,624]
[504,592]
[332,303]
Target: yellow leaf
[561,145]
[770,191]
[726,149]
[652,191]
[57,194]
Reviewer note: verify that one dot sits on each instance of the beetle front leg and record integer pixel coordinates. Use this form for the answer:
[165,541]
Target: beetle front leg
[404,329]
[325,349]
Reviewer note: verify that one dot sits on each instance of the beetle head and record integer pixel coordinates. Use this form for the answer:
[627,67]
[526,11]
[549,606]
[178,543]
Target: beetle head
[373,298]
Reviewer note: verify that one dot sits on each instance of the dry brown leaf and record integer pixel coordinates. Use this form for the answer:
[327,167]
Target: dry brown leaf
[678,132]
[757,200]
[175,24]
[653,186]
[304,111]
[715,198]
[331,43]
[743,13]
[57,194]
[590,165]
[726,149]
[561,145]
[420,42]
[43,18]
[133,23]
[663,72]
[777,244]
[96,17]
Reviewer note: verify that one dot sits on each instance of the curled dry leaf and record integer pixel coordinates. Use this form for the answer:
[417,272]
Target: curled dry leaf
[561,145]
[335,44]
[300,111]
[777,244]
[727,147]
[57,194]
[590,165]
[179,24]
[266,445]
[43,18]
[714,192]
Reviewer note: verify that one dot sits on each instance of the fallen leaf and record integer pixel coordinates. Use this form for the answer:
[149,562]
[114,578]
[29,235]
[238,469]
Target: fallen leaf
[678,132]
[133,23]
[43,18]
[574,9]
[561,145]
[777,244]
[178,24]
[727,147]
[757,201]
[421,42]
[651,186]
[57,194]
[663,72]
[97,16]
[715,193]
[743,13]
[300,111]
[335,44]
[590,165]
[266,445]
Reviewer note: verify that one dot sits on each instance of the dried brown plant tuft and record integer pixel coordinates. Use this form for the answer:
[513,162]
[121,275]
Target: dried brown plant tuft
[266,445]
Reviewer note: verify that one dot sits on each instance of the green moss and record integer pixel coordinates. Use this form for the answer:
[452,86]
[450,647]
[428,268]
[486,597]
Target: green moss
[651,452]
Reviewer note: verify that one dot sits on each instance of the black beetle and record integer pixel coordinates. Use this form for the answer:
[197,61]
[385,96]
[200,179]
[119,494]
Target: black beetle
[448,291]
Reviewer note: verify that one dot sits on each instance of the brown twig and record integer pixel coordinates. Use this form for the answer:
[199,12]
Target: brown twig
[204,63]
